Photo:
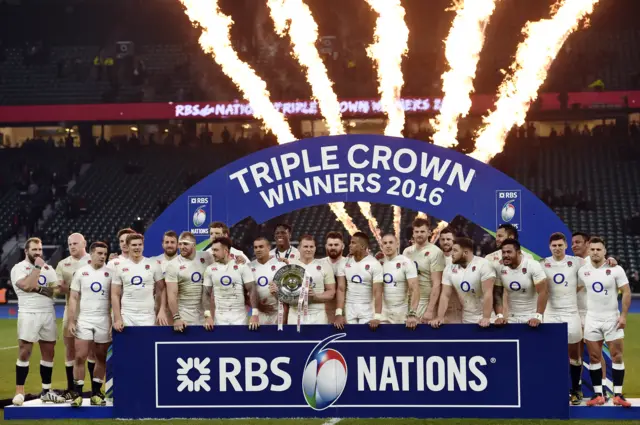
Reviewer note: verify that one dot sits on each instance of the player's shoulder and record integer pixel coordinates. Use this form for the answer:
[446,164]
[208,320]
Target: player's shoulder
[480,261]
[402,259]
[108,272]
[20,266]
[409,250]
[494,256]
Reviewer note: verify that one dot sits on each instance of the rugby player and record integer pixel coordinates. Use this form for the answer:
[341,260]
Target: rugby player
[90,321]
[218,229]
[446,240]
[322,285]
[225,283]
[400,278]
[471,279]
[66,268]
[562,306]
[264,267]
[430,262]
[34,281]
[133,289]
[183,279]
[169,249]
[604,321]
[526,285]
[361,300]
[284,250]
[334,248]
[122,240]
[504,232]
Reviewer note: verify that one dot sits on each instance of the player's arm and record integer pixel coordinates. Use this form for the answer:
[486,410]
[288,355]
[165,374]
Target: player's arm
[622,283]
[498,293]
[445,295]
[414,292]
[437,266]
[488,278]
[341,288]
[63,288]
[171,283]
[329,286]
[252,292]
[542,288]
[208,301]
[74,299]
[377,280]
[29,283]
[116,303]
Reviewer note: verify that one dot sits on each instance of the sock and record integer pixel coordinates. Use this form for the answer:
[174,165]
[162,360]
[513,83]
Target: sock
[22,370]
[618,377]
[91,364]
[46,370]
[69,369]
[96,386]
[575,367]
[595,371]
[78,384]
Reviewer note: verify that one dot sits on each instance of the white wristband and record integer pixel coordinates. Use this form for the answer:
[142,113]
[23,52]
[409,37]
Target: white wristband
[207,314]
[339,312]
[539,316]
[499,316]
[378,316]
[255,312]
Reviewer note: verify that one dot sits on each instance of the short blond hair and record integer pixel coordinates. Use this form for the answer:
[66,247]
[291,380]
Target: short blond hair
[29,241]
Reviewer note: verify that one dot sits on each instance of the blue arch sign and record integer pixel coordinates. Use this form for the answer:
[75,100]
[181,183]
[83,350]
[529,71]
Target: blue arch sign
[409,173]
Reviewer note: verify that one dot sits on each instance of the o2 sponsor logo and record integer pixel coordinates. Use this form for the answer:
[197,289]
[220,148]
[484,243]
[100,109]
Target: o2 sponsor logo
[325,375]
[356,279]
[196,277]
[137,281]
[598,288]
[97,288]
[42,280]
[263,281]
[466,287]
[558,279]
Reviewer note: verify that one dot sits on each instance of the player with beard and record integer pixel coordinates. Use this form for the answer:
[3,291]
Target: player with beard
[471,279]
[183,278]
[526,285]
[400,278]
[283,249]
[446,240]
[264,267]
[430,262]
[66,268]
[218,229]
[33,281]
[322,284]
[361,301]
[505,231]
[334,247]
[169,248]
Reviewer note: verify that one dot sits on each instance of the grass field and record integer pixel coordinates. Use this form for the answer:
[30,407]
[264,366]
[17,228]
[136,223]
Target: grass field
[8,353]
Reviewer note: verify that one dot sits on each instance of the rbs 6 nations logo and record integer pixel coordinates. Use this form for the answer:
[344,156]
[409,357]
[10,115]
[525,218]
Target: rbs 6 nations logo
[199,215]
[509,208]
[325,375]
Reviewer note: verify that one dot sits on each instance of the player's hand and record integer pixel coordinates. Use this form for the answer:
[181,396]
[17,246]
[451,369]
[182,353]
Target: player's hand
[484,322]
[39,262]
[612,262]
[118,325]
[240,259]
[534,323]
[254,323]
[412,322]
[622,322]
[208,323]
[427,317]
[285,260]
[162,319]
[379,256]
[373,324]
[312,295]
[179,325]
[339,322]
[500,322]
[436,323]
[71,328]
[273,288]
[45,291]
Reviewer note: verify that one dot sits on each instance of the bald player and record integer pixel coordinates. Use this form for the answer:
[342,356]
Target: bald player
[217,230]
[264,267]
[183,278]
[66,268]
[430,262]
[446,240]
[334,248]
[400,278]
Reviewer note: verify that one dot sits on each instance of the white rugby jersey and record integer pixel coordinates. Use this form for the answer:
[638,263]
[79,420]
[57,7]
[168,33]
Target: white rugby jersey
[320,274]
[162,260]
[582,295]
[428,259]
[188,274]
[360,276]
[396,272]
[138,285]
[94,287]
[520,285]
[32,302]
[290,254]
[338,266]
[233,253]
[68,266]
[563,284]
[117,262]
[263,276]
[447,260]
[602,286]
[228,282]
[467,283]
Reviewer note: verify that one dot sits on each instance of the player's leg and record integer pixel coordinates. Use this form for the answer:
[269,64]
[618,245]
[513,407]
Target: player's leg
[594,338]
[97,397]
[616,348]
[48,335]
[27,335]
[91,360]
[69,354]
[82,343]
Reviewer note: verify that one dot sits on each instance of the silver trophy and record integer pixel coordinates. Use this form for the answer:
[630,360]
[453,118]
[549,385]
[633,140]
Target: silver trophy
[289,281]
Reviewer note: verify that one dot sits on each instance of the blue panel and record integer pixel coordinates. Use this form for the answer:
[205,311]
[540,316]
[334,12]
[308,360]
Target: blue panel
[456,371]
[54,412]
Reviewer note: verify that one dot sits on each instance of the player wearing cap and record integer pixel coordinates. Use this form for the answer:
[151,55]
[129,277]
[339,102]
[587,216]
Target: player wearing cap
[134,287]
[430,262]
[217,230]
[225,284]
[471,279]
[183,279]
[400,278]
[264,267]
[361,300]
[604,321]
[284,250]
[526,284]
[34,281]
[90,321]
[322,285]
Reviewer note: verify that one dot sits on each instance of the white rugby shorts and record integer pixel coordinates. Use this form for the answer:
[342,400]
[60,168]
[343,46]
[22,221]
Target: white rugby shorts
[395,314]
[191,316]
[130,319]
[34,327]
[314,317]
[96,329]
[231,317]
[599,329]
[359,313]
[573,323]
[521,318]
[471,319]
[268,318]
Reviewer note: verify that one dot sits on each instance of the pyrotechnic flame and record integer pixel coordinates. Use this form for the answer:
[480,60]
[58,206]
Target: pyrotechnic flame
[462,50]
[397,218]
[294,17]
[422,215]
[436,232]
[340,211]
[534,57]
[216,41]
[365,208]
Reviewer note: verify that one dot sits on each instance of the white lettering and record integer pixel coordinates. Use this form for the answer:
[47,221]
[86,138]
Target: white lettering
[351,159]
[325,184]
[275,197]
[433,166]
[179,110]
[432,363]
[420,372]
[290,161]
[308,168]
[260,172]
[356,181]
[413,160]
[381,155]
[481,383]
[456,374]
[367,373]
[276,168]
[463,182]
[229,375]
[239,176]
[250,374]
[286,378]
[374,184]
[388,375]
[327,157]
[305,188]
[340,183]
[405,361]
